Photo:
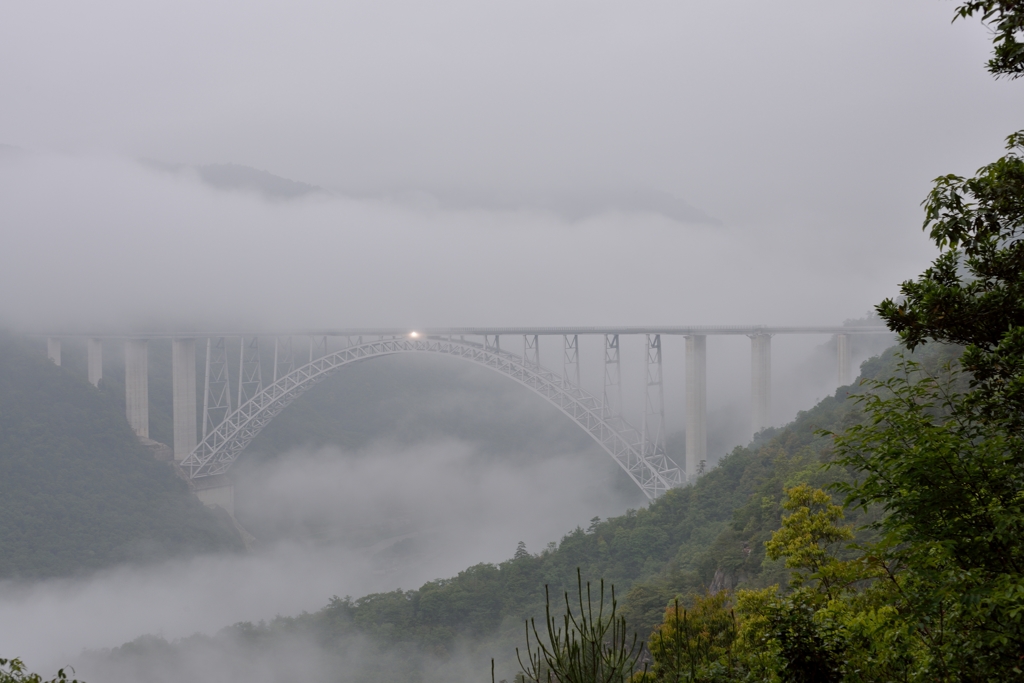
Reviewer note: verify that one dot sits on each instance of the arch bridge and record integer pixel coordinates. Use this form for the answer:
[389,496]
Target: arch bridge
[240,399]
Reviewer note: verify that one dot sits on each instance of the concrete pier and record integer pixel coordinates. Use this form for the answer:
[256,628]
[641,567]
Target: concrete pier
[53,350]
[760,380]
[216,491]
[696,404]
[183,388]
[95,361]
[843,352]
[136,385]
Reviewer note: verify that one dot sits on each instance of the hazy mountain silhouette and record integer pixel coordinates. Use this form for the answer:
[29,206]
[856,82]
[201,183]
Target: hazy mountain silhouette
[570,204]
[236,177]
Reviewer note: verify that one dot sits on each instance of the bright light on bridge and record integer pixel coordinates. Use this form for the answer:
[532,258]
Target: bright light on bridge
[414,334]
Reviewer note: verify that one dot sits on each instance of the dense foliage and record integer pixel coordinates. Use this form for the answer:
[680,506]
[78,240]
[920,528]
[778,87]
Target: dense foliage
[13,671]
[591,643]
[1006,19]
[77,490]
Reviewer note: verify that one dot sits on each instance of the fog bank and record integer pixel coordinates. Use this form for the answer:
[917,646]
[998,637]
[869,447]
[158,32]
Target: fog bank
[103,243]
[382,519]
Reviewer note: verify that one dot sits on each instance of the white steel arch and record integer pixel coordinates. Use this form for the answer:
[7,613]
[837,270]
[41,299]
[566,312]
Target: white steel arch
[654,472]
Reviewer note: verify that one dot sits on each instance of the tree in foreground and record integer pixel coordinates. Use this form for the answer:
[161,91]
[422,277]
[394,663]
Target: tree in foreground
[587,647]
[696,644]
[950,480]
[13,671]
[803,635]
[1006,20]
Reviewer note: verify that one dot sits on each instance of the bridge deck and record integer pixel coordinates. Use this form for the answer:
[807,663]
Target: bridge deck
[679,330]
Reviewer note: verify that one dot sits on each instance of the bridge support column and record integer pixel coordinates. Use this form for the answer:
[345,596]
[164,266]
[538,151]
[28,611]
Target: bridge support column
[761,380]
[612,397]
[183,389]
[217,491]
[94,348]
[843,351]
[136,385]
[53,350]
[284,359]
[531,351]
[571,358]
[654,401]
[696,405]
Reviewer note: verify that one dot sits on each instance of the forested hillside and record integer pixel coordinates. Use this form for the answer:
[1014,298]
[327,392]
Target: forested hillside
[706,536]
[77,490]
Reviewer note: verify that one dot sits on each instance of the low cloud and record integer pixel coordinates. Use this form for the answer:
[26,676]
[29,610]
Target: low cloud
[343,524]
[98,243]
[451,507]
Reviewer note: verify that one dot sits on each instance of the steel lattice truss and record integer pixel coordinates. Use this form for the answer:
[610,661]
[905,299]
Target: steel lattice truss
[646,464]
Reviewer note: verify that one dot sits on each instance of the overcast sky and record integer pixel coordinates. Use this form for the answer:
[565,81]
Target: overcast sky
[490,162]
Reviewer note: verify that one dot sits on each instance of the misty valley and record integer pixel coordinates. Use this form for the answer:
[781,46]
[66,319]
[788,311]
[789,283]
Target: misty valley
[392,473]
[389,474]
